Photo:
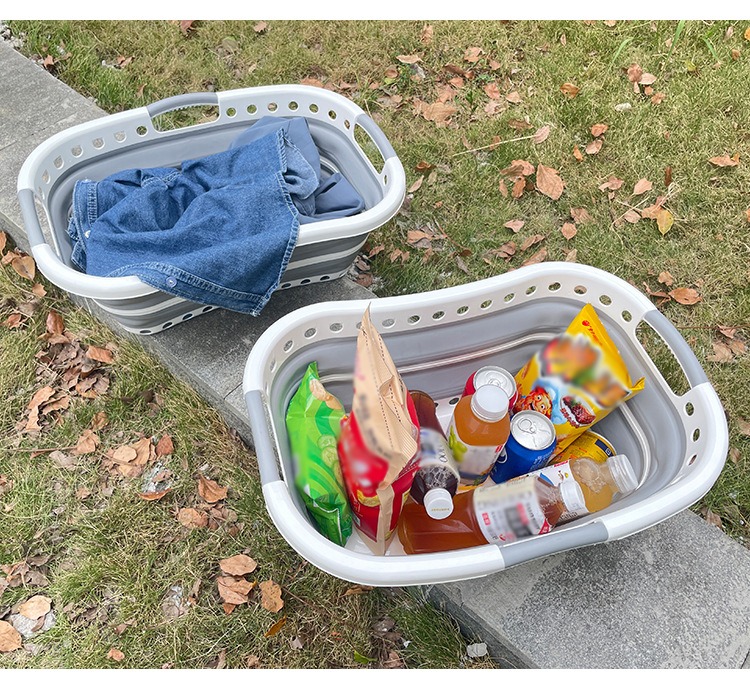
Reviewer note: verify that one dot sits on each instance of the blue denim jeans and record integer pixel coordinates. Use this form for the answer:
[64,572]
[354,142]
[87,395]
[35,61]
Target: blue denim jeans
[219,230]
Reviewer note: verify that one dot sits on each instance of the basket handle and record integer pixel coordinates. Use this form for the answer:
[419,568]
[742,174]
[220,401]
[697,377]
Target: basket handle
[378,136]
[678,346]
[176,102]
[262,441]
[30,217]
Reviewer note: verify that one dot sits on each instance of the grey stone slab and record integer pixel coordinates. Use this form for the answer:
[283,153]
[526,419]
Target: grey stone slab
[673,596]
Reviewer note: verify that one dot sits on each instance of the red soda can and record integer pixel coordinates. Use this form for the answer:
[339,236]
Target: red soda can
[493,374]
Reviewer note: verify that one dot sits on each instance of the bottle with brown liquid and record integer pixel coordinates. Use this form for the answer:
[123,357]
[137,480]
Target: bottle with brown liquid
[436,480]
[478,431]
[528,505]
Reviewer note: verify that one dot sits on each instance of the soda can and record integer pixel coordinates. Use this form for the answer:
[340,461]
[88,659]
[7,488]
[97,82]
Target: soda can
[530,445]
[493,374]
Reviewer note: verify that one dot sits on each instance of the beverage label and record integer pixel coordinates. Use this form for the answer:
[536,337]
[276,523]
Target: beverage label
[474,462]
[511,511]
[434,451]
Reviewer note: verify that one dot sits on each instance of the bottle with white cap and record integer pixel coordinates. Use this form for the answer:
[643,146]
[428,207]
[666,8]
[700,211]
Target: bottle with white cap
[477,433]
[436,480]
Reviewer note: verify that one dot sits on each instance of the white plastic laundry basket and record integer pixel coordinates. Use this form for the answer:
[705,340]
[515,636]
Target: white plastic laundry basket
[677,443]
[349,142]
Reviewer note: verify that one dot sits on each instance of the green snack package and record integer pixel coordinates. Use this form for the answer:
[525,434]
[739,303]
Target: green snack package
[313,421]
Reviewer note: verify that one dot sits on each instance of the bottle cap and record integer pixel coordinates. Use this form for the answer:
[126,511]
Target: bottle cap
[572,496]
[438,503]
[622,473]
[490,403]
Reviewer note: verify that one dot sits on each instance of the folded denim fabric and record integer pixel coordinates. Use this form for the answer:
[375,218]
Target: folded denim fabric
[220,230]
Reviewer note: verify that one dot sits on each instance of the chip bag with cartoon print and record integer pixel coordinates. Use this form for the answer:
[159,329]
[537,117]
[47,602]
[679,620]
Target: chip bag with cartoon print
[313,421]
[576,379]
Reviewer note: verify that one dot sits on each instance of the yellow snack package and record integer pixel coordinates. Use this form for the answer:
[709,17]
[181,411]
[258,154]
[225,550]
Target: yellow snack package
[576,379]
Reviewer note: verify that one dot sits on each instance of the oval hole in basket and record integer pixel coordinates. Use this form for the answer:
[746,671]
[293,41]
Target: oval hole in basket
[413,319]
[141,130]
[286,285]
[120,136]
[58,162]
[693,458]
[437,315]
[310,332]
[251,109]
[45,177]
[509,297]
[347,124]
[335,327]
[272,106]
[486,304]
[306,281]
[206,309]
[580,289]
[187,316]
[166,325]
[231,112]
[554,286]
[293,106]
[388,322]
[314,108]
[98,143]
[531,290]
[288,346]
[272,365]
[627,316]
[323,278]
[463,310]
[606,301]
[76,151]
[145,331]
[696,434]
[454,400]
[332,115]
[689,408]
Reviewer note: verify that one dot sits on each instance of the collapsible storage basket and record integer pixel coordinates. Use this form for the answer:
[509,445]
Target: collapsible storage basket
[348,140]
[676,443]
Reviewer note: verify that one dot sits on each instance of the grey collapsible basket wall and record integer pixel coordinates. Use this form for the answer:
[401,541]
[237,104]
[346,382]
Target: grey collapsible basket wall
[349,142]
[677,443]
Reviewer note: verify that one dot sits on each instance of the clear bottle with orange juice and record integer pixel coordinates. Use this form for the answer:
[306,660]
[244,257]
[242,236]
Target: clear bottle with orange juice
[529,505]
[478,430]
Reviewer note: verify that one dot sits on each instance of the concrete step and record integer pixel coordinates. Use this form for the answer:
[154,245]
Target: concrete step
[673,596]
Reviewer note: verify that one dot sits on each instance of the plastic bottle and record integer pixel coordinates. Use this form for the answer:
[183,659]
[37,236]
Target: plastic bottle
[528,505]
[436,480]
[478,430]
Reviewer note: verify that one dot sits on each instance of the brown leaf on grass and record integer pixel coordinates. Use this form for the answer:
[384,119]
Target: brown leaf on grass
[192,518]
[238,565]
[270,596]
[260,27]
[13,321]
[210,490]
[713,518]
[115,654]
[519,187]
[664,221]
[541,135]
[568,230]
[658,98]
[409,59]
[599,129]
[24,266]
[505,251]
[276,627]
[548,182]
[437,112]
[425,37]
[538,257]
[685,296]
[580,215]
[415,185]
[10,639]
[665,277]
[635,72]
[40,397]
[531,241]
[570,90]
[643,185]
[63,460]
[647,79]
[722,353]
[513,97]
[35,607]
[122,455]
[233,590]
[101,355]
[3,240]
[165,446]
[725,161]
[154,495]
[357,589]
[514,225]
[612,183]
[594,147]
[55,324]
[38,290]
[492,90]
[631,216]
[519,168]
[577,153]
[472,54]
[744,426]
[734,455]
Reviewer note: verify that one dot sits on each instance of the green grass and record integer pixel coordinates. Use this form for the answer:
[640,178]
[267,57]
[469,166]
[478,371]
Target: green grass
[701,67]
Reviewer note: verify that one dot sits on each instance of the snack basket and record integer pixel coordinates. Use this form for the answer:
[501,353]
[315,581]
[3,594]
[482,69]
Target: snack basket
[348,140]
[676,443]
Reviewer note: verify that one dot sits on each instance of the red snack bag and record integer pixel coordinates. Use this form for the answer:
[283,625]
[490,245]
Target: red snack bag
[379,441]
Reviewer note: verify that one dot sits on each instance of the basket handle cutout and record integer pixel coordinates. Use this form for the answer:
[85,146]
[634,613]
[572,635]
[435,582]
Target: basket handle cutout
[170,114]
[372,142]
[670,353]
[262,439]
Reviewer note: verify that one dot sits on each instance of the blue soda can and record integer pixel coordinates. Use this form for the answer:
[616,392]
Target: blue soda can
[530,445]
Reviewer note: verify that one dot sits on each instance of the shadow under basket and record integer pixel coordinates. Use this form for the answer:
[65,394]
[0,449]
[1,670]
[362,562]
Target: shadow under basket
[677,443]
[348,140]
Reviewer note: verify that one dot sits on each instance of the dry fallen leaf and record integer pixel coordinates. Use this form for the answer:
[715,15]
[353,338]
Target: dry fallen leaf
[210,490]
[115,654]
[570,90]
[154,495]
[734,455]
[577,153]
[568,230]
[713,518]
[409,59]
[10,639]
[664,221]
[472,54]
[270,596]
[599,129]
[685,296]
[631,216]
[747,33]
[24,266]
[541,135]
[260,27]
[492,90]
[594,146]
[722,353]
[513,97]
[87,442]
[238,565]
[425,37]
[437,112]
[531,241]
[99,354]
[548,182]
[538,257]
[612,183]
[192,518]
[514,225]
[744,426]
[35,607]
[276,627]
[234,591]
[643,185]
[725,160]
